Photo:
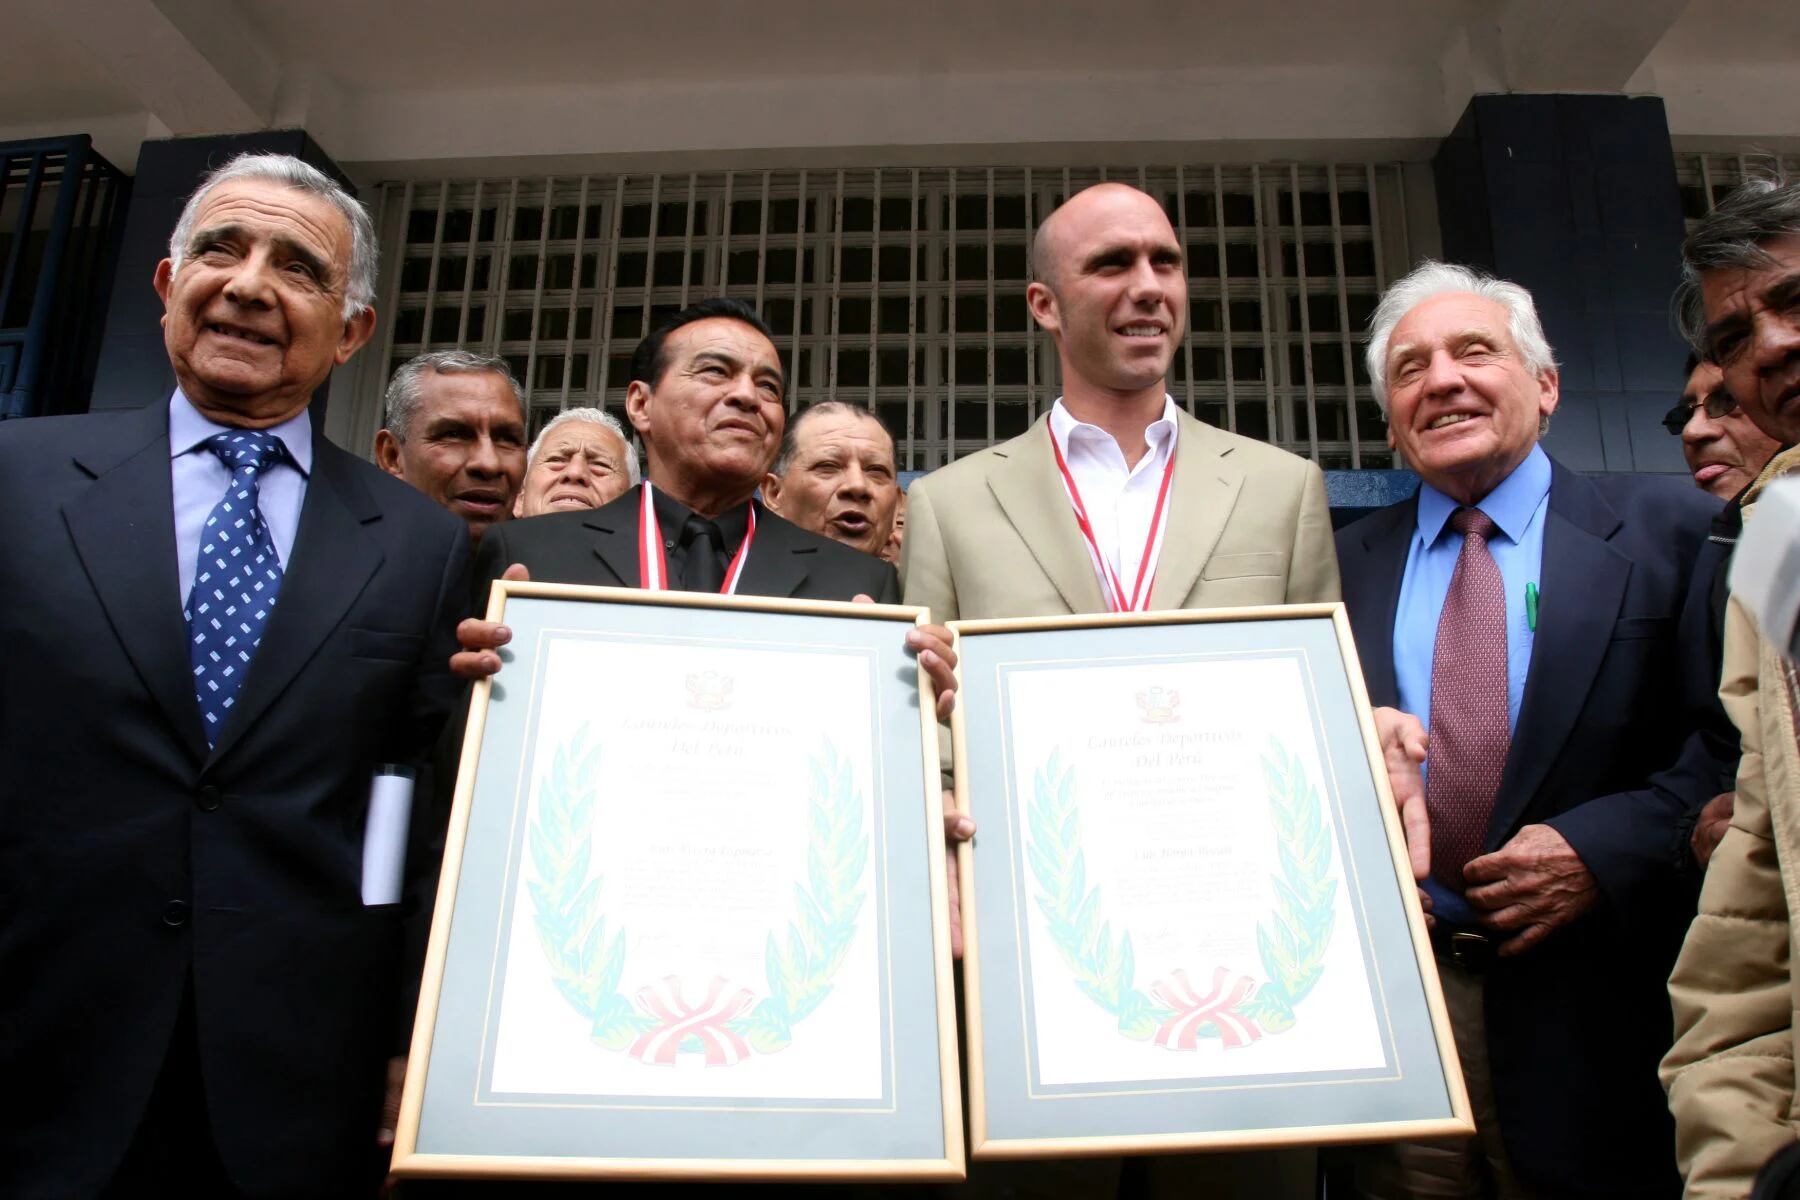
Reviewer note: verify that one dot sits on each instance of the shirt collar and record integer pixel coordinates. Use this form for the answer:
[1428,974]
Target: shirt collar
[1158,434]
[672,514]
[1511,505]
[188,428]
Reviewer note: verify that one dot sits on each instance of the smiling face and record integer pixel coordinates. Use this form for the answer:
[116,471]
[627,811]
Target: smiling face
[1753,333]
[711,424]
[1463,410]
[841,482]
[1114,295]
[1724,453]
[466,447]
[254,320]
[580,465]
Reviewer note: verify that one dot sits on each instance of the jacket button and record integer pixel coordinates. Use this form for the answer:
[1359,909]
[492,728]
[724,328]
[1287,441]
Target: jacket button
[175,913]
[209,798]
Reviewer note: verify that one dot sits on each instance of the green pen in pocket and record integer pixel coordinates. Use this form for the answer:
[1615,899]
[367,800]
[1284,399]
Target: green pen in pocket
[1531,606]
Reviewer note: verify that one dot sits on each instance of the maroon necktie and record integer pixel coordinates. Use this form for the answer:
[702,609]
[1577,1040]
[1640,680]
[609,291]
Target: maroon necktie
[1470,731]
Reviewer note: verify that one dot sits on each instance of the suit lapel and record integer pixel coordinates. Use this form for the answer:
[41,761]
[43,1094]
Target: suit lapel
[779,562]
[124,531]
[1201,497]
[1031,494]
[615,528]
[1582,581]
[1372,596]
[332,562]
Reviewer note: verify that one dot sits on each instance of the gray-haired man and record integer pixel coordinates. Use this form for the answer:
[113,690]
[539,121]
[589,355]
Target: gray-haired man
[218,626]
[581,459]
[455,429]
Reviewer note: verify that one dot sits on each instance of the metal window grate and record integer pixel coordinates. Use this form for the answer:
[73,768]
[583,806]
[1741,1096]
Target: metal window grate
[1706,179]
[903,288]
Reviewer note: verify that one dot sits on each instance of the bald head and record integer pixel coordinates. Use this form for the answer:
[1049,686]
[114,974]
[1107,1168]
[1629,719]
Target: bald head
[1076,216]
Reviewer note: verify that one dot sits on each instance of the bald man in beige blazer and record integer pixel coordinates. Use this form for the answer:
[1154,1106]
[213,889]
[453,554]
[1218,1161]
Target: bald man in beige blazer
[1242,523]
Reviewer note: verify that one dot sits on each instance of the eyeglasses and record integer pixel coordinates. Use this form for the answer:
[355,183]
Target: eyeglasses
[1720,403]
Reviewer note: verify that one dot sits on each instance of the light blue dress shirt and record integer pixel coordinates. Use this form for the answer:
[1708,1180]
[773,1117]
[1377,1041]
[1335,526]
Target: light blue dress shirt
[1517,510]
[198,479]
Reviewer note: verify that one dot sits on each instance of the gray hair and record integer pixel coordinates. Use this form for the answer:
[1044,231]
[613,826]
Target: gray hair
[589,416]
[401,405]
[790,438]
[1732,236]
[288,171]
[1431,278]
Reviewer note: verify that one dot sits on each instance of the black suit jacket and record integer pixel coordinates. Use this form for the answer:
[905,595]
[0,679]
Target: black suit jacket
[133,859]
[1605,751]
[600,547]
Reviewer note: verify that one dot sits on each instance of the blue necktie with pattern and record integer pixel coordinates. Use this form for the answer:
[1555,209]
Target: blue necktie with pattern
[236,577]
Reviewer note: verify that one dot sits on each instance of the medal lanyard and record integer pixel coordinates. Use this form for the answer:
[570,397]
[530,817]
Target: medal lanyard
[1146,572]
[653,562]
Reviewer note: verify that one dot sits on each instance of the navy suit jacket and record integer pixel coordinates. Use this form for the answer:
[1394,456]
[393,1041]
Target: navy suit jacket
[136,863]
[1606,751]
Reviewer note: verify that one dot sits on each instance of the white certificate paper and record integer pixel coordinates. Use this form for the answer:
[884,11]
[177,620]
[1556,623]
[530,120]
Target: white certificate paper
[696,903]
[1181,885]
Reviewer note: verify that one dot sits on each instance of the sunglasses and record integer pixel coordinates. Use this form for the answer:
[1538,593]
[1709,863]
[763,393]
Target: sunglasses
[1719,404]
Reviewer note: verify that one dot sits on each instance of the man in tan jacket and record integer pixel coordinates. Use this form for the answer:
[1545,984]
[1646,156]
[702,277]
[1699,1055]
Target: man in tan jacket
[1118,500]
[1731,1073]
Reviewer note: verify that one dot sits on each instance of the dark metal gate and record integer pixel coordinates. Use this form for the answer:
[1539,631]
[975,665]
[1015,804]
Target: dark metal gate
[62,210]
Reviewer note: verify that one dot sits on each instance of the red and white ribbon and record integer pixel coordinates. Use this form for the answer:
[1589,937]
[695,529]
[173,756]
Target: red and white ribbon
[1116,598]
[680,1020]
[1218,1007]
[653,562]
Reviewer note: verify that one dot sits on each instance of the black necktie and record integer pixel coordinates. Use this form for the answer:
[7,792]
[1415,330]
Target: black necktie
[703,569]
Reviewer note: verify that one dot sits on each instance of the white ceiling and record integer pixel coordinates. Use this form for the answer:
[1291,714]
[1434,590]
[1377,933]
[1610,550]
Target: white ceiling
[389,80]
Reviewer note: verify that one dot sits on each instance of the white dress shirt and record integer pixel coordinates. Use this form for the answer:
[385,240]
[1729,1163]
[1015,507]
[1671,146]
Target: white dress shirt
[1120,500]
[198,477]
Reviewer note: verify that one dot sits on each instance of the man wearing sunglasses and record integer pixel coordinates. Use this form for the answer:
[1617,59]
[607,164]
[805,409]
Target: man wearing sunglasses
[1723,448]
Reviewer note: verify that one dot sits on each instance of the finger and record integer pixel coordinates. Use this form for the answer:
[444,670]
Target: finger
[943,682]
[1493,896]
[1425,900]
[517,573]
[1519,944]
[476,634]
[952,890]
[935,638]
[474,665]
[1510,919]
[862,598]
[390,1101]
[958,828]
[1488,868]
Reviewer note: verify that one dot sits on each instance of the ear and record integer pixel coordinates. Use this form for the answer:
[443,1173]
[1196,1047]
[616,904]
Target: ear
[1042,303]
[356,333]
[1549,392]
[518,508]
[163,280]
[771,492]
[637,408]
[387,454]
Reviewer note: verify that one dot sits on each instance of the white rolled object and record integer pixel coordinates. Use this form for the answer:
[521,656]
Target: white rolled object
[384,837]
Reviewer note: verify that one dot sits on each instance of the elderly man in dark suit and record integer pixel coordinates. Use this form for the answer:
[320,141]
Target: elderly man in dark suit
[1531,617]
[219,626]
[708,398]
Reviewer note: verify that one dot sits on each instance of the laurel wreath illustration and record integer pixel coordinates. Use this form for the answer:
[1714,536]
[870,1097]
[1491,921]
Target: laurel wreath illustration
[587,954]
[1291,942]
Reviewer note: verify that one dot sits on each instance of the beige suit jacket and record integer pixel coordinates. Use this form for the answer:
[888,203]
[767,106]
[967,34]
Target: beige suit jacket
[993,535]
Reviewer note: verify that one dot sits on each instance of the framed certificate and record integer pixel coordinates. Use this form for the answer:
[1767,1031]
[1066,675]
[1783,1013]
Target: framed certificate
[1188,918]
[692,921]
